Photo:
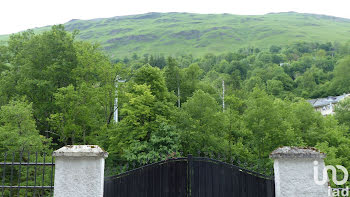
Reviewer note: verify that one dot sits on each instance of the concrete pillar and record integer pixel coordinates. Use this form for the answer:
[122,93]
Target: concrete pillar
[294,172]
[79,171]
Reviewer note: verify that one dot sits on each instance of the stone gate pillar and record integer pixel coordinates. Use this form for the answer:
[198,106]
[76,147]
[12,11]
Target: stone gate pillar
[294,172]
[79,171]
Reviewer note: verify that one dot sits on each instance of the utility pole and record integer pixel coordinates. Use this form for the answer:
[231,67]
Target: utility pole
[223,95]
[178,96]
[178,90]
[115,115]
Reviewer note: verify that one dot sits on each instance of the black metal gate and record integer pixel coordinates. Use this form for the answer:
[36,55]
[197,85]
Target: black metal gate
[212,178]
[27,173]
[166,178]
[189,177]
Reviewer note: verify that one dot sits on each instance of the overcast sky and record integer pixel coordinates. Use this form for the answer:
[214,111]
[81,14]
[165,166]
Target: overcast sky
[18,15]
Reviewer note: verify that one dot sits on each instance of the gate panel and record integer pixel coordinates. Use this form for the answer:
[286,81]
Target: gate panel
[213,178]
[163,179]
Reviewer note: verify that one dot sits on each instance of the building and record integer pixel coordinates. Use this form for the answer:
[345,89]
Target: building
[326,105]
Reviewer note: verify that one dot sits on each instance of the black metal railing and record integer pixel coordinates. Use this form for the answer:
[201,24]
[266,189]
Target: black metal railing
[26,173]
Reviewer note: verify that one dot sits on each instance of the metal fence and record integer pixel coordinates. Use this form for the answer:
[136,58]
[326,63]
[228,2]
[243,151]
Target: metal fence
[27,173]
[189,177]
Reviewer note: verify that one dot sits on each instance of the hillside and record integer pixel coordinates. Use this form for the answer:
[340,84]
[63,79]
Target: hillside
[180,33]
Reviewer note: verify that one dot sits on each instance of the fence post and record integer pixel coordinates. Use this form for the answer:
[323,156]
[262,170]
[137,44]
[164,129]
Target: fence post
[294,172]
[190,177]
[79,171]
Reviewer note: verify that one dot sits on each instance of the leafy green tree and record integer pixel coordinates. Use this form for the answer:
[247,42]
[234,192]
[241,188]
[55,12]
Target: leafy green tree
[163,143]
[274,87]
[18,130]
[233,112]
[325,63]
[253,82]
[342,112]
[8,82]
[75,116]
[222,67]
[154,78]
[267,119]
[45,63]
[208,61]
[201,123]
[4,59]
[173,78]
[142,114]
[344,49]
[341,80]
[95,69]
[157,61]
[308,83]
[212,84]
[192,76]
[298,67]
[275,49]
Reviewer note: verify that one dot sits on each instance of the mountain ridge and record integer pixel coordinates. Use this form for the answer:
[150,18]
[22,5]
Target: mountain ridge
[177,33]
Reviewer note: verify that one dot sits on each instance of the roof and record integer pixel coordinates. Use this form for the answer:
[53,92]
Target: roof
[296,152]
[80,151]
[326,101]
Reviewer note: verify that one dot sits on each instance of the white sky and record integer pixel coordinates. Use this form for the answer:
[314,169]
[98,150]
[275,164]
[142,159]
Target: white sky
[18,15]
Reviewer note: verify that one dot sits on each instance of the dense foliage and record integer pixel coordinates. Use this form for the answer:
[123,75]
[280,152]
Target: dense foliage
[54,86]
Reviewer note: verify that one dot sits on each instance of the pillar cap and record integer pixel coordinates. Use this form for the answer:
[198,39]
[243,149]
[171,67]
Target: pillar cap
[297,152]
[80,151]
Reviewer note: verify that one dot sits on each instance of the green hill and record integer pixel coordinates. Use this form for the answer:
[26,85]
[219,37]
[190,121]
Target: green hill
[180,33]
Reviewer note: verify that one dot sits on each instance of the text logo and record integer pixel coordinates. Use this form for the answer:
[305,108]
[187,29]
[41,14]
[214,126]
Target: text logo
[334,174]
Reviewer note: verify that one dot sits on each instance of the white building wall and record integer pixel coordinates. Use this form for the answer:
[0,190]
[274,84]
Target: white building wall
[326,110]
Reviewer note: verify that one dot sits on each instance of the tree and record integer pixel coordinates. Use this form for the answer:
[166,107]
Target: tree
[45,65]
[192,76]
[4,59]
[75,117]
[164,142]
[153,77]
[142,115]
[342,112]
[8,82]
[308,83]
[207,62]
[341,80]
[274,87]
[253,82]
[18,130]
[157,61]
[134,56]
[233,112]
[268,121]
[275,49]
[45,62]
[173,77]
[95,69]
[202,125]
[223,66]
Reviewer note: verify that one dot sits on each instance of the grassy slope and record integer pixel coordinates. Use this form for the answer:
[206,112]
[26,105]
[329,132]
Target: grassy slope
[179,33]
